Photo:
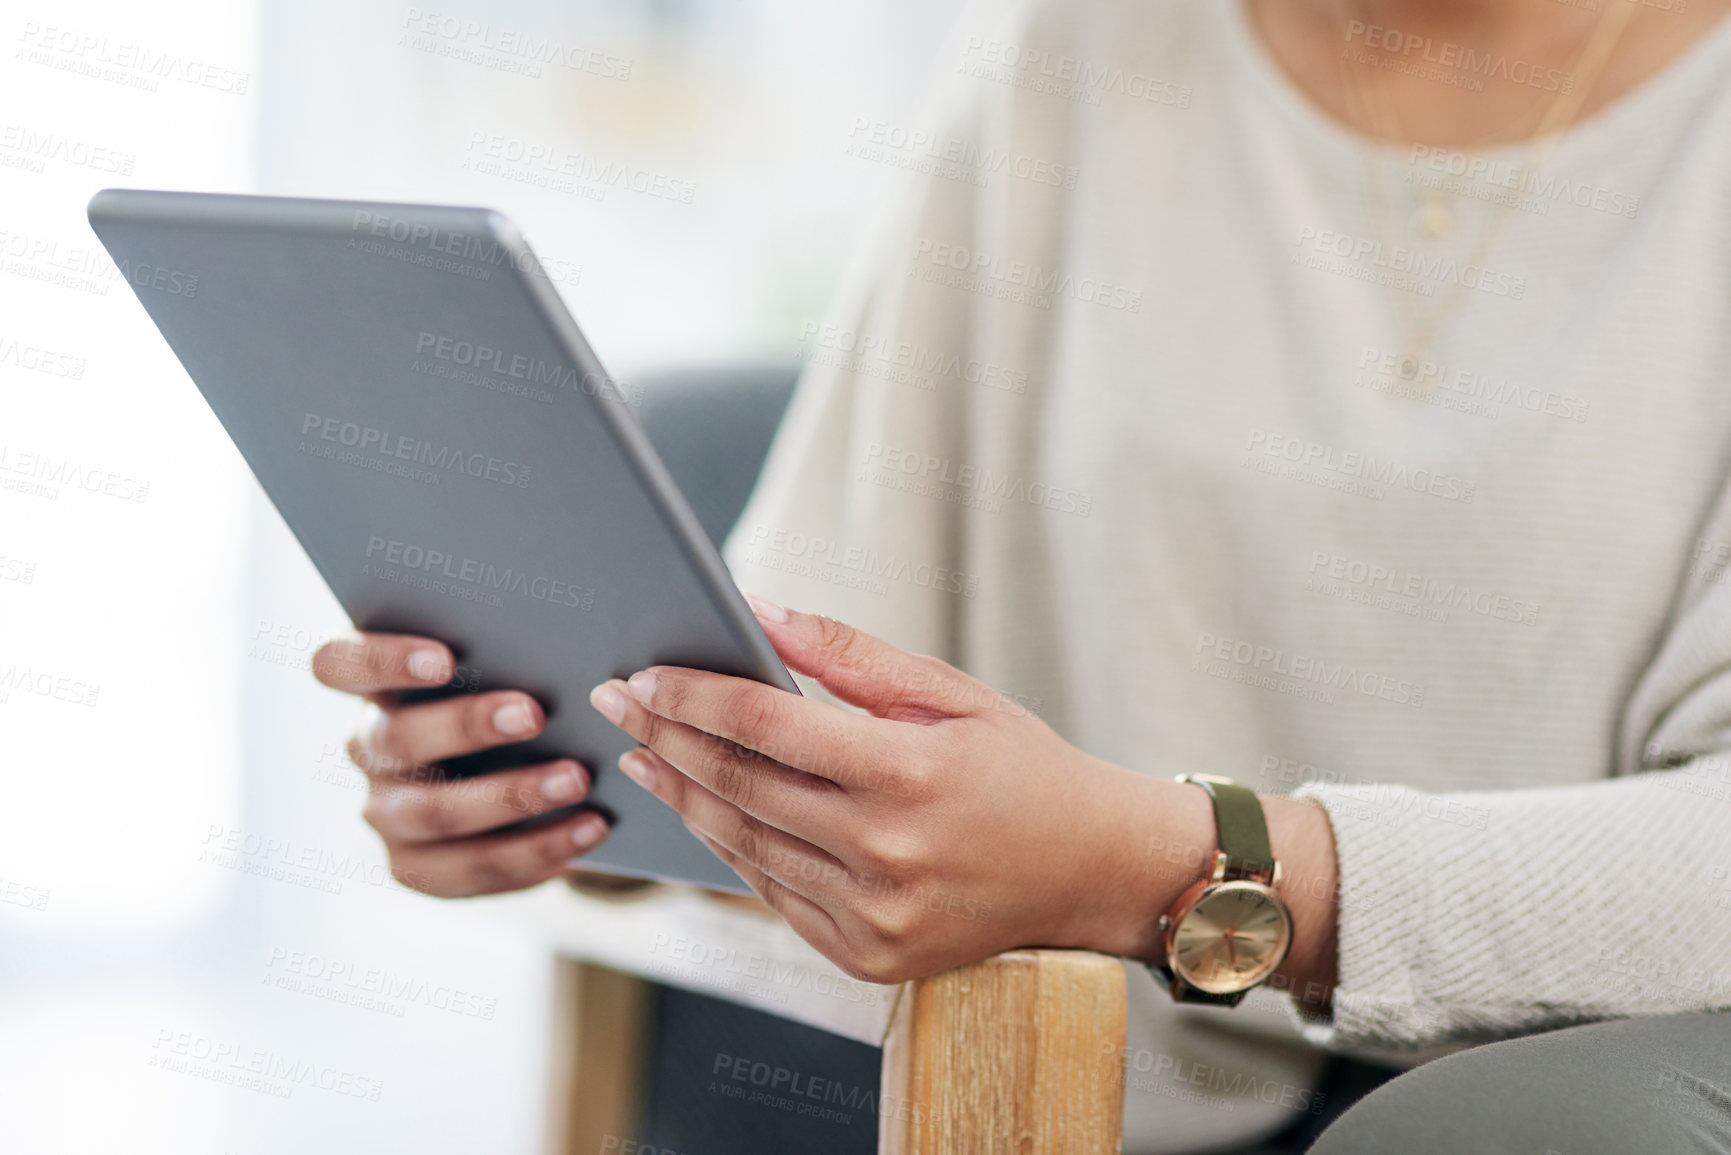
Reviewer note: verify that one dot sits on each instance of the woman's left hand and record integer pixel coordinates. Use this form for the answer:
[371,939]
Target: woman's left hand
[943,826]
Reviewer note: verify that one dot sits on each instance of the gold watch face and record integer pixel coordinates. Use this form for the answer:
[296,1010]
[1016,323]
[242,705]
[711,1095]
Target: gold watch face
[1232,938]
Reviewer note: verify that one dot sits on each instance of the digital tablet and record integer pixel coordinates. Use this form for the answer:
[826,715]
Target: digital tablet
[424,413]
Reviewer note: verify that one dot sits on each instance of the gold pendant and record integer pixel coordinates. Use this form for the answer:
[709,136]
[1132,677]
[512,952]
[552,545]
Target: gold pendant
[1408,377]
[1434,220]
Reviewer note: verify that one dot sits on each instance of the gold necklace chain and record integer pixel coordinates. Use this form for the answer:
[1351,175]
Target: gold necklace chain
[1418,334]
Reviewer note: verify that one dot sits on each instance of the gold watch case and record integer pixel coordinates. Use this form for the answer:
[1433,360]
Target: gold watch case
[1224,935]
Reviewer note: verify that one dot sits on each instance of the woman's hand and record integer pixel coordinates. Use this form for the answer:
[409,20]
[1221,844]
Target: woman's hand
[947,826]
[440,834]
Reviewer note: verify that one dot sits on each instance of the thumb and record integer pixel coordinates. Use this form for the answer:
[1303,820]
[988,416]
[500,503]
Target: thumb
[868,672]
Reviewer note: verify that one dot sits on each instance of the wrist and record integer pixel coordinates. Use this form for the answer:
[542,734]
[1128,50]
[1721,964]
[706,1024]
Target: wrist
[1303,841]
[1157,841]
[1156,838]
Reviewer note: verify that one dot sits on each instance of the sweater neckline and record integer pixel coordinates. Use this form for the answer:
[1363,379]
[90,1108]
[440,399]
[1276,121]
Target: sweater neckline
[1676,81]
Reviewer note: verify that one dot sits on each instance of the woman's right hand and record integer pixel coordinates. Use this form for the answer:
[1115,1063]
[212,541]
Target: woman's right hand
[441,834]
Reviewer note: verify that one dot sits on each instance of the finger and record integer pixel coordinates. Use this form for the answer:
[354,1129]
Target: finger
[797,864]
[799,803]
[796,731]
[418,810]
[868,672]
[392,737]
[371,663]
[494,863]
[808,920]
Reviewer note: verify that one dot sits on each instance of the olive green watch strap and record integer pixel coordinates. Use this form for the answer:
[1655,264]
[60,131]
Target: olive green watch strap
[1202,997]
[1240,826]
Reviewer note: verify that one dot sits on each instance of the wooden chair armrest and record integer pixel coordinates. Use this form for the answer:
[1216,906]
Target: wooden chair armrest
[599,1058]
[1022,1052]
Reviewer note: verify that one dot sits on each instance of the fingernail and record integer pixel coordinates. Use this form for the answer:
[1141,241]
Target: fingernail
[590,829]
[370,723]
[427,665]
[766,609]
[642,686]
[514,718]
[565,782]
[609,701]
[638,768]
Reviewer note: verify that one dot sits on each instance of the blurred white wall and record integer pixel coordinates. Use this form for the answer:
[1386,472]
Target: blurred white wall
[187,895]
[734,116]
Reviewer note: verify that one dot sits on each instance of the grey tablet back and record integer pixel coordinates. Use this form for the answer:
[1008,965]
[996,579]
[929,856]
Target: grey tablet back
[412,395]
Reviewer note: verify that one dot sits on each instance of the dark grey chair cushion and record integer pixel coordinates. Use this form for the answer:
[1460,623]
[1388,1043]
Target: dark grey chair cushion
[712,427]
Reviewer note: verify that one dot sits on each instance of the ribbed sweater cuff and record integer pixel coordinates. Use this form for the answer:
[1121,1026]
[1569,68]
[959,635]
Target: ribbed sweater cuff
[1387,920]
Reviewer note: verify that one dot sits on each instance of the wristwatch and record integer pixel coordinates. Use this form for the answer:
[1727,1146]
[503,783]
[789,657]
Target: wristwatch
[1229,932]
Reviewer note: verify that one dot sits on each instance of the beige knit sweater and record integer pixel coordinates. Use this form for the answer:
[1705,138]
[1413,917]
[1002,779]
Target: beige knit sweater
[1112,418]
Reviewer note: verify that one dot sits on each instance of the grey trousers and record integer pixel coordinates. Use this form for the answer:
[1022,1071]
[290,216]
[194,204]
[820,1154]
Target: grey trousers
[1649,1086]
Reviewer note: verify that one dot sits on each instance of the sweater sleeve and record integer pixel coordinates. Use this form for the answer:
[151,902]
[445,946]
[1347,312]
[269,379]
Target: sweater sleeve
[841,521]
[1477,916]
[815,534]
